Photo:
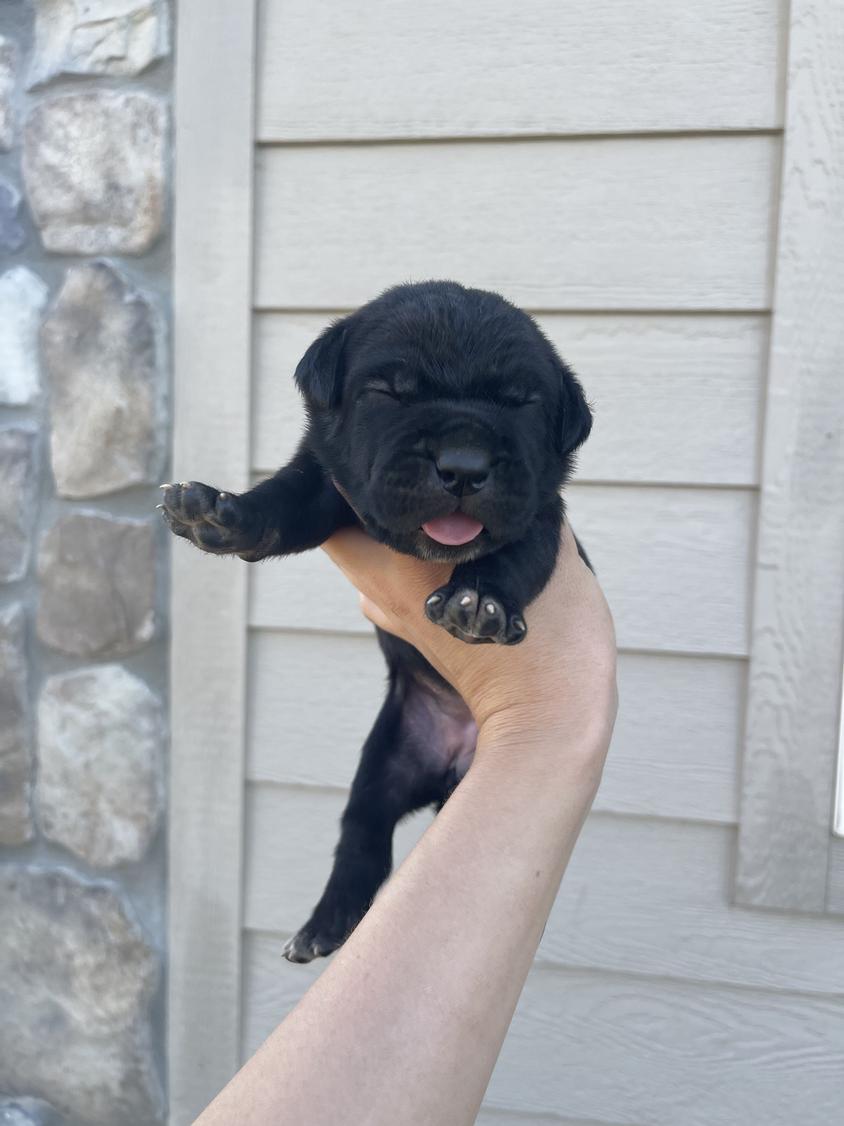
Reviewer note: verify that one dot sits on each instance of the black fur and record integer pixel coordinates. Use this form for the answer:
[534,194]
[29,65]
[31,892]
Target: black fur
[431,400]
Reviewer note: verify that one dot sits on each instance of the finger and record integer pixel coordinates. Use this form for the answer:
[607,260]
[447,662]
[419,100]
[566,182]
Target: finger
[579,579]
[376,615]
[354,552]
[571,567]
[568,543]
[382,575]
[363,561]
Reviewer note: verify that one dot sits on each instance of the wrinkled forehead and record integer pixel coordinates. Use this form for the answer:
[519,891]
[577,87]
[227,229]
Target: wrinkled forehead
[448,344]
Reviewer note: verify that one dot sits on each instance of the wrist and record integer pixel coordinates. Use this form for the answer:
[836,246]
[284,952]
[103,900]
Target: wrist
[522,741]
[570,717]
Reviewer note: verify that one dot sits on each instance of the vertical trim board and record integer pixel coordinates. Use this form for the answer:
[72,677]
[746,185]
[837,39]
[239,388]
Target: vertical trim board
[835,884]
[798,618]
[212,340]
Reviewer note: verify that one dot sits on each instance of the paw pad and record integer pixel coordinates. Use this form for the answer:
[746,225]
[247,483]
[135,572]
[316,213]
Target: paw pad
[216,522]
[476,618]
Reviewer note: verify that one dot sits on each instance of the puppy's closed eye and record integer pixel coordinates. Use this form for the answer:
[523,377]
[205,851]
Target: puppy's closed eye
[381,388]
[400,387]
[517,398]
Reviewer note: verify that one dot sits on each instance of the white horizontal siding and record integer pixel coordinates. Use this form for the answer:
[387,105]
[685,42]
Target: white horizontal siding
[643,223]
[671,1054]
[674,564]
[646,377]
[675,747]
[290,839]
[641,896]
[619,1049]
[433,68]
[491,1117]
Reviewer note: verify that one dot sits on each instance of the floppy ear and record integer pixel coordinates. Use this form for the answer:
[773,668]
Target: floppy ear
[319,373]
[577,417]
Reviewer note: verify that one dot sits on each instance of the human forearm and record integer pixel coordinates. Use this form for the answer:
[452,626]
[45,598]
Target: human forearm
[406,1023]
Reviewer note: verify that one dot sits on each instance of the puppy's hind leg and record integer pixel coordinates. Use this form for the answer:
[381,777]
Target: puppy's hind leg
[388,784]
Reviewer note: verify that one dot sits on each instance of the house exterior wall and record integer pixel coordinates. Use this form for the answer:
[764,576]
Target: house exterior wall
[649,257]
[616,170]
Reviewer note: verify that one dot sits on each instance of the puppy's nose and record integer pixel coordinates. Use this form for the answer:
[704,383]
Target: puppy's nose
[463,471]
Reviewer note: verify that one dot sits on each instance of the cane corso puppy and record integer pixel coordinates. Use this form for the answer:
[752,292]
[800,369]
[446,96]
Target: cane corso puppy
[444,422]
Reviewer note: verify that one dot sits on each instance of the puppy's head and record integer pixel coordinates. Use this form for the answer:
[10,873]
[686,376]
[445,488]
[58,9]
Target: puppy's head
[445,416]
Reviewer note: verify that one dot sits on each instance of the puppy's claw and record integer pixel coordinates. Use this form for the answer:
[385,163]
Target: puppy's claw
[293,951]
[302,949]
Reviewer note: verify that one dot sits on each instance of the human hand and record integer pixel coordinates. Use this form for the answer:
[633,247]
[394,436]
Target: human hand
[562,677]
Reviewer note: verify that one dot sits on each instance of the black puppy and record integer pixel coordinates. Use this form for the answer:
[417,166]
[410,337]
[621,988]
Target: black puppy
[448,421]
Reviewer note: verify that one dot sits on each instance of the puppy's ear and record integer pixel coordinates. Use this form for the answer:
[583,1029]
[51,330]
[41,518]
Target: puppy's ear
[319,373]
[577,417]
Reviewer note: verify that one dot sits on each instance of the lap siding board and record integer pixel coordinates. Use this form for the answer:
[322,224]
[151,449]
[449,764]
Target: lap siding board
[621,1048]
[646,223]
[387,70]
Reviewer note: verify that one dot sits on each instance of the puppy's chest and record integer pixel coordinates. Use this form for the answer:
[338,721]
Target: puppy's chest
[440,729]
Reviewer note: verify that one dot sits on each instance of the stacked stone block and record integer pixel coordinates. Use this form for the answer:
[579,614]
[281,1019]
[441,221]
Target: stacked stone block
[84,303]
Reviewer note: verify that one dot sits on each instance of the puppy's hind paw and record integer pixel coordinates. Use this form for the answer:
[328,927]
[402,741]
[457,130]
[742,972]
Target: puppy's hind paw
[474,616]
[305,946]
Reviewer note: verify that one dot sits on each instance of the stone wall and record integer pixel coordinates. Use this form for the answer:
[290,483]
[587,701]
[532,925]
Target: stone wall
[84,309]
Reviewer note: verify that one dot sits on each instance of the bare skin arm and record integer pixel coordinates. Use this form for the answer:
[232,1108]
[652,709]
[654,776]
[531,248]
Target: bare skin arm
[405,1024]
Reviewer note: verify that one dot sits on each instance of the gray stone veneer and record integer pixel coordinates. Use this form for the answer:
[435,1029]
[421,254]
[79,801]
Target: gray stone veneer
[85,91]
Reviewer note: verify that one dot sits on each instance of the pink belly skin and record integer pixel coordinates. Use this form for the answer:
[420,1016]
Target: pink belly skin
[440,728]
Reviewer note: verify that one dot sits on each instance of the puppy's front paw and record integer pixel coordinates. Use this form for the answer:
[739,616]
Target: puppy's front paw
[217,522]
[476,616]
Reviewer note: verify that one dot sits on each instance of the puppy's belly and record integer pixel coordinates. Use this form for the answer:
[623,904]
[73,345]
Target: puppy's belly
[440,728]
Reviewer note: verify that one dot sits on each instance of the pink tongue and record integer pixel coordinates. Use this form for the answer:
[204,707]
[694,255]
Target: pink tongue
[453,530]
